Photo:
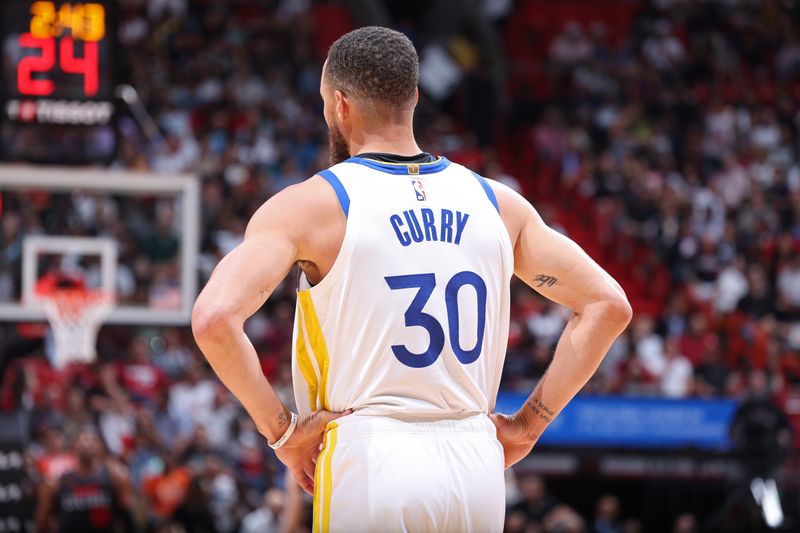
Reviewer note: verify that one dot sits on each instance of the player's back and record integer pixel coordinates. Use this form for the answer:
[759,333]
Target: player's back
[409,329]
[412,317]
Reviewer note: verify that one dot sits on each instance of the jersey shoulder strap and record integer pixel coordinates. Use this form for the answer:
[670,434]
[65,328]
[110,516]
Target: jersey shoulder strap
[341,193]
[486,188]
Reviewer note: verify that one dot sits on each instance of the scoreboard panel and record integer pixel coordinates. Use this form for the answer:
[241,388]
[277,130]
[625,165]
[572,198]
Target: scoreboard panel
[58,80]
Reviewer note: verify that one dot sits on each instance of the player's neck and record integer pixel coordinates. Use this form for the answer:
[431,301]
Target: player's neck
[395,139]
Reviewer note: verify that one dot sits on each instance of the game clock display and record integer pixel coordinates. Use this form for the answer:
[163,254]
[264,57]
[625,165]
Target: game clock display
[58,77]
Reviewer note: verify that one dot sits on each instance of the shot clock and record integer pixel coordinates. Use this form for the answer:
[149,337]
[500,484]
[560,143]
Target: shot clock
[58,80]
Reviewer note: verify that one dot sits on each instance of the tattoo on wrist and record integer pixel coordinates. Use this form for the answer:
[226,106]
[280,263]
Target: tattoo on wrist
[263,293]
[538,408]
[283,420]
[544,279]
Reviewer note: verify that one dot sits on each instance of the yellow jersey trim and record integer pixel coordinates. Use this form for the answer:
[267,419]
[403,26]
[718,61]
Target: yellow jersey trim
[318,346]
[305,365]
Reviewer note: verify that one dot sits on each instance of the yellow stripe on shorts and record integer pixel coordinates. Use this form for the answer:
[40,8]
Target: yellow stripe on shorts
[317,491]
[323,482]
[318,346]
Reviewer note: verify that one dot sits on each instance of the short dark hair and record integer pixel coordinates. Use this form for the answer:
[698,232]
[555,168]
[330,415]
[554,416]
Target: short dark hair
[374,63]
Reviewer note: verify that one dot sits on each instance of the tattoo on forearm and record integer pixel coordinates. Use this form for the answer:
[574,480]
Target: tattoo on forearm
[283,420]
[544,279]
[537,407]
[263,293]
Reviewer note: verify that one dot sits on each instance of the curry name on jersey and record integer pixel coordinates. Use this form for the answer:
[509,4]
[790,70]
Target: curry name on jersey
[412,317]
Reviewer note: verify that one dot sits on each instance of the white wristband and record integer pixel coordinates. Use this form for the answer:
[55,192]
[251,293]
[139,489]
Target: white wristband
[281,441]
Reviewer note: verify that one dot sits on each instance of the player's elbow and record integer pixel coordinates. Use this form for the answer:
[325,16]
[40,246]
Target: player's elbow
[617,311]
[209,322]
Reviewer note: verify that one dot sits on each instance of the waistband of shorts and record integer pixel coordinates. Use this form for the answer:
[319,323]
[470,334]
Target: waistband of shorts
[358,426]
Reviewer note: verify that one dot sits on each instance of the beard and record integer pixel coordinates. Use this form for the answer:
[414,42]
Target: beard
[338,149]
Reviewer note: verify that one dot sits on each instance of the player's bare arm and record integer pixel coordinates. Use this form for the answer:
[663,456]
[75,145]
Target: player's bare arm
[561,271]
[302,224]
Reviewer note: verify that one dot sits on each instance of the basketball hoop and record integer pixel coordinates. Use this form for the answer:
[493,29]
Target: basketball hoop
[75,314]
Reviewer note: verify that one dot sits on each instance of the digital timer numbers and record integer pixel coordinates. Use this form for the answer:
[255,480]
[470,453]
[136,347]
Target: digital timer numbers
[86,22]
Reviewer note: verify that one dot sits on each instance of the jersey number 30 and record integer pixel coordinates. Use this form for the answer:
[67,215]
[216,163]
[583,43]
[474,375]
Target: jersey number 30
[415,317]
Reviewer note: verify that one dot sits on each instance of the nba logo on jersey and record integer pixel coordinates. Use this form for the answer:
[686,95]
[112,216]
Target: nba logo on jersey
[421,196]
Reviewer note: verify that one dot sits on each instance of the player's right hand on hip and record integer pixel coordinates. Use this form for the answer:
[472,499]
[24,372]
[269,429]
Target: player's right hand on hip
[299,452]
[513,434]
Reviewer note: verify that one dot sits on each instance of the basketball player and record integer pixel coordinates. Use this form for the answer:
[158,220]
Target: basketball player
[95,496]
[402,315]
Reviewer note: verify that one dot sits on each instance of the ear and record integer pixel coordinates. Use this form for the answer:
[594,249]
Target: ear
[416,96]
[342,105]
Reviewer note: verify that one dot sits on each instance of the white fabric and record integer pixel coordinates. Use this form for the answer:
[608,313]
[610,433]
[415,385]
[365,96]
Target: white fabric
[651,354]
[193,401]
[362,318]
[789,284]
[388,475]
[260,521]
[116,428]
[439,75]
[732,286]
[676,380]
[218,423]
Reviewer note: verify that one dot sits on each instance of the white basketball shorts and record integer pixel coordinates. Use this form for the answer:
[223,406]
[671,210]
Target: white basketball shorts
[383,474]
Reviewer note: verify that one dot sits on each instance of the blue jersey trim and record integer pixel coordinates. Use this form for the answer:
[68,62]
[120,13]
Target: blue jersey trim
[487,189]
[341,193]
[405,169]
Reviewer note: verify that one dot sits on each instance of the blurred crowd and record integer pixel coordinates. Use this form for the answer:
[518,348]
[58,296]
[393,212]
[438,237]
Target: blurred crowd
[532,508]
[662,136]
[680,145]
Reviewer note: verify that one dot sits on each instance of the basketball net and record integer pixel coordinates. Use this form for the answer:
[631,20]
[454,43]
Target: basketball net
[75,315]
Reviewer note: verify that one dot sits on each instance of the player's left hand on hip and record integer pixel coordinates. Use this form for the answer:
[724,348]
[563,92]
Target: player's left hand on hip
[299,453]
[513,434]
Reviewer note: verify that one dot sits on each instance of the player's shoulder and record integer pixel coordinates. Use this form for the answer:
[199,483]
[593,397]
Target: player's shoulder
[303,204]
[506,194]
[515,210]
[509,202]
[312,190]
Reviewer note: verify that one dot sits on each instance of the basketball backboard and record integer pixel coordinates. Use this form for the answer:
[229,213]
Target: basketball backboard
[68,188]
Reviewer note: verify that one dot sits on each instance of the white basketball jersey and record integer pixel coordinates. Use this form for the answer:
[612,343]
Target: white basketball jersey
[412,317]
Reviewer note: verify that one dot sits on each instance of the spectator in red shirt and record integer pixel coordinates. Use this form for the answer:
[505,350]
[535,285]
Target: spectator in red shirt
[698,339]
[136,379]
